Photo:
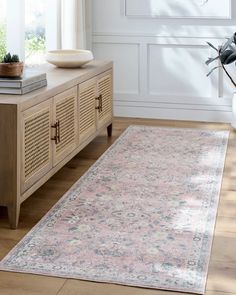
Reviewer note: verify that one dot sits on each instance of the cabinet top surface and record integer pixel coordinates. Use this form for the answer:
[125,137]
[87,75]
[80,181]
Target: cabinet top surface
[59,79]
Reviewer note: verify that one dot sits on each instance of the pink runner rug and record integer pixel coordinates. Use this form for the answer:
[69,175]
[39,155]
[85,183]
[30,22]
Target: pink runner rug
[143,215]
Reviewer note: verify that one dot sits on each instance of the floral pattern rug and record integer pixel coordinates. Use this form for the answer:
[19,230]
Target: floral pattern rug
[143,215]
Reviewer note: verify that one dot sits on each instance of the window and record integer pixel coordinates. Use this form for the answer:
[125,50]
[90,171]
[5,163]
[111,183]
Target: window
[35,27]
[29,29]
[2,28]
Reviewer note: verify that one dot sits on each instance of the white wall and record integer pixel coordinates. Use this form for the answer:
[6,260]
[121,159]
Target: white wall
[159,55]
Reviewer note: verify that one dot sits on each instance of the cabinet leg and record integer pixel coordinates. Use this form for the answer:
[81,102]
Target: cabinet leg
[109,130]
[13,215]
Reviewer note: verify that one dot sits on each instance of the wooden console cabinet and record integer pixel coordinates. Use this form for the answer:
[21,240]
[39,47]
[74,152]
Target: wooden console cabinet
[41,131]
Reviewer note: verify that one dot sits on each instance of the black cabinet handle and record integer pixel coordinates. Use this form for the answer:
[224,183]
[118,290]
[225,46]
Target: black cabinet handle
[99,107]
[56,137]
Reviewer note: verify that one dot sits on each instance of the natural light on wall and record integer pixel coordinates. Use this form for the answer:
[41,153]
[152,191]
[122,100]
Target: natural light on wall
[179,8]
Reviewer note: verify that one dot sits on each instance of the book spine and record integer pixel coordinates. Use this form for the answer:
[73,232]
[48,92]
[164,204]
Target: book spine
[34,86]
[32,80]
[23,83]
[10,90]
[10,84]
[24,90]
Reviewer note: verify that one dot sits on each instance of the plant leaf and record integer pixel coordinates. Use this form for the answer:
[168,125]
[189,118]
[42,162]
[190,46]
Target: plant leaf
[212,70]
[212,46]
[233,48]
[234,38]
[226,45]
[225,55]
[230,59]
[211,59]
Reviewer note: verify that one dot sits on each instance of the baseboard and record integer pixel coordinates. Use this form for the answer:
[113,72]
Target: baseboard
[172,114]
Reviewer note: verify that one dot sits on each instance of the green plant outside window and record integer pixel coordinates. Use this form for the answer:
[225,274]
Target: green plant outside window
[3,48]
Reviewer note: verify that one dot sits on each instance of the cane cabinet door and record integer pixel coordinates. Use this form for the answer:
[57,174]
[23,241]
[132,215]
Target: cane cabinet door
[87,109]
[105,85]
[36,147]
[64,124]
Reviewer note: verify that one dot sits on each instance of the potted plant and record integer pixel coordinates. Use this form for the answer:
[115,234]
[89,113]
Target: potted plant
[11,66]
[226,54]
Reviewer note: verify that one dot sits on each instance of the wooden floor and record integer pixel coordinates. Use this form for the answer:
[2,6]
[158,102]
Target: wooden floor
[222,270]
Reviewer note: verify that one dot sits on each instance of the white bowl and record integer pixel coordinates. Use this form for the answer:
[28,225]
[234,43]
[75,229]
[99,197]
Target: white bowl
[69,58]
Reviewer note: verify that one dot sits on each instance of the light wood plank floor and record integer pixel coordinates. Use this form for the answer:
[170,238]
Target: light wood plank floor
[222,269]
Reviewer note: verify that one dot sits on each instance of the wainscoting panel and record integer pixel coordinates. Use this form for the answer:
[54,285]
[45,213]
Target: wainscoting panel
[183,71]
[179,8]
[164,73]
[159,62]
[126,59]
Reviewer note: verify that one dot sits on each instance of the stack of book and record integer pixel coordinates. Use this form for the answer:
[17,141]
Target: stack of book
[30,81]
